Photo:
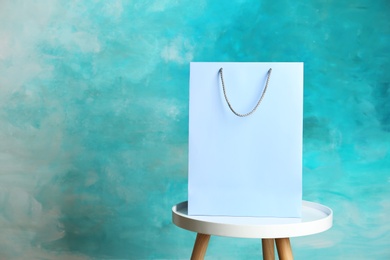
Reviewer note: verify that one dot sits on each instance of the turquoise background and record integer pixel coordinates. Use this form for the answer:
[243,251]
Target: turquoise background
[94,121]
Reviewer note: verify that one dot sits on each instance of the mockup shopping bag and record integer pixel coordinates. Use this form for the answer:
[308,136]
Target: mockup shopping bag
[249,165]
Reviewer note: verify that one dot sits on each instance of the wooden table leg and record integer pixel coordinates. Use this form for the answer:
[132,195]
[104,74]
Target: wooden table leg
[200,246]
[268,246]
[284,249]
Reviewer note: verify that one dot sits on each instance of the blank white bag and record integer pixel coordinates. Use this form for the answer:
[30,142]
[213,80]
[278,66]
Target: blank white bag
[245,166]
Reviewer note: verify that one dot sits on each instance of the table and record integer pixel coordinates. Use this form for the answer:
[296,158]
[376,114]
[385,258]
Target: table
[316,218]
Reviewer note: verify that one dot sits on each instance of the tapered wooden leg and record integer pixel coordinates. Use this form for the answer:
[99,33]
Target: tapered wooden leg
[200,246]
[284,249]
[268,246]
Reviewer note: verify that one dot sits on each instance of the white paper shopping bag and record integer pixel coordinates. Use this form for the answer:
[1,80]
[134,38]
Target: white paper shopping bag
[245,165]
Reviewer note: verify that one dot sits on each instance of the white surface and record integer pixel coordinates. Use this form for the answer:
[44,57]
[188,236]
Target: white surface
[253,159]
[316,218]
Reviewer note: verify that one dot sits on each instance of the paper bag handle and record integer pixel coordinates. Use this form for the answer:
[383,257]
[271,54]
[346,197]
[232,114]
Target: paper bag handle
[258,102]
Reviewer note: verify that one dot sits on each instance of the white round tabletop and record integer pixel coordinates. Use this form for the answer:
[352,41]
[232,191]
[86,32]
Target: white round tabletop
[316,218]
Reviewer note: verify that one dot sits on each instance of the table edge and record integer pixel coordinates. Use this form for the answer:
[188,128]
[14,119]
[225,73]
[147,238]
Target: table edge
[255,231]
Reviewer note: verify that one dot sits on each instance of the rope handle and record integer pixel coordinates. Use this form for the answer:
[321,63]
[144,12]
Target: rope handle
[258,102]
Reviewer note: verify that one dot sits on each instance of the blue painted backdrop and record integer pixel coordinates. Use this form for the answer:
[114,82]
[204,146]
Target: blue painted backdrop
[94,114]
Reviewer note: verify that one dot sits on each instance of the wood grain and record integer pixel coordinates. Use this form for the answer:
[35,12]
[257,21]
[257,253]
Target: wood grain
[200,247]
[284,249]
[268,246]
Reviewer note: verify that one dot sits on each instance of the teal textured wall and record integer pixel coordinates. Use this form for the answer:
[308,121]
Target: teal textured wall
[94,114]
